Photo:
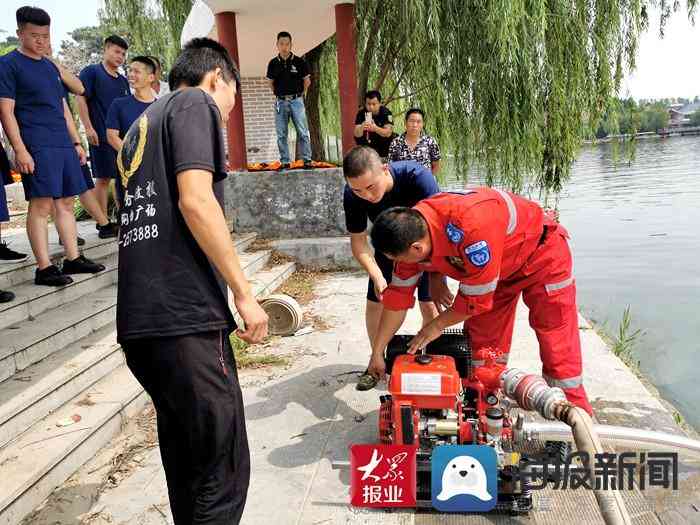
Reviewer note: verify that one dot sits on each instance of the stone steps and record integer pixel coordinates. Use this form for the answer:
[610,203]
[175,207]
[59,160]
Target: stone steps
[31,340]
[14,274]
[32,300]
[35,337]
[42,388]
[58,358]
[47,454]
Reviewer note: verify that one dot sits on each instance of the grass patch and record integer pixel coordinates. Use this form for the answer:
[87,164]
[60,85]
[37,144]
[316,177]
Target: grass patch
[622,344]
[248,356]
[678,418]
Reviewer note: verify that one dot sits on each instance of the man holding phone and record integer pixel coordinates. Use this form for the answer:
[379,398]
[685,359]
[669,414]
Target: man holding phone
[374,126]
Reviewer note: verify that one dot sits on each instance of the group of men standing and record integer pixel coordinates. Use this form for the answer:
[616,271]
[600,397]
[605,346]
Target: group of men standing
[48,151]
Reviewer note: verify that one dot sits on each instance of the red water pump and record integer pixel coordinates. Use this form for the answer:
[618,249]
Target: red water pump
[449,396]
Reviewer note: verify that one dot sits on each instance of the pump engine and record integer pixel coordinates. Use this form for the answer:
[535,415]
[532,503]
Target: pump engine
[449,395]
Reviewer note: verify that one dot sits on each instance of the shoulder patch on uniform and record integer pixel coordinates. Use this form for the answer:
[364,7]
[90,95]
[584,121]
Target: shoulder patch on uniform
[454,234]
[478,253]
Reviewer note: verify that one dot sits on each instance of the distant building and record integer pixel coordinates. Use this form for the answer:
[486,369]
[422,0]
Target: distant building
[679,114]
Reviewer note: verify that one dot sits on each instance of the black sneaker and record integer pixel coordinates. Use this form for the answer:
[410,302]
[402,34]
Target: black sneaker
[308,165]
[81,241]
[51,276]
[6,297]
[81,264]
[108,230]
[285,166]
[8,256]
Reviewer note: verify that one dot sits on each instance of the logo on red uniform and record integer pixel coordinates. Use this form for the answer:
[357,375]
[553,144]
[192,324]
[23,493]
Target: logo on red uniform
[383,476]
[454,234]
[478,253]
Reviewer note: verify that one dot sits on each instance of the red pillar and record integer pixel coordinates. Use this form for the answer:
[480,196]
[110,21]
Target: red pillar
[226,31]
[347,70]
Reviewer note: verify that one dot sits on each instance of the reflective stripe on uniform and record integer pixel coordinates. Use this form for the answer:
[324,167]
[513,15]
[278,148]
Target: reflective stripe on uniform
[512,211]
[570,382]
[553,287]
[502,359]
[409,281]
[478,289]
[478,362]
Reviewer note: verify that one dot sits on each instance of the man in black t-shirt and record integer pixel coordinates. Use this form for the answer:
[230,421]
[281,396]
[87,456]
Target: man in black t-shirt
[372,187]
[289,77]
[374,126]
[173,319]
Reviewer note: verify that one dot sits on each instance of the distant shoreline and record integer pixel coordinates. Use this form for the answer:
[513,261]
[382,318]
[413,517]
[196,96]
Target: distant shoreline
[662,134]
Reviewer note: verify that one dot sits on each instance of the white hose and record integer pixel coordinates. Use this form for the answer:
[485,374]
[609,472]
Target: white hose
[633,438]
[610,502]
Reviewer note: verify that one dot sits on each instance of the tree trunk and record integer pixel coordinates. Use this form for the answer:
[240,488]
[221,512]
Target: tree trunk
[312,101]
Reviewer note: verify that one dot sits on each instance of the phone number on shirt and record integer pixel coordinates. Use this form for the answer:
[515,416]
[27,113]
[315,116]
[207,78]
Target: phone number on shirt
[142,233]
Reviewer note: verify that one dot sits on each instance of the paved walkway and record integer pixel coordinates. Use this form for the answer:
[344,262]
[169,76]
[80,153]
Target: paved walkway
[302,416]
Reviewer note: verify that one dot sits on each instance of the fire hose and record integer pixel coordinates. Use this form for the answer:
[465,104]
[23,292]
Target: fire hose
[531,392]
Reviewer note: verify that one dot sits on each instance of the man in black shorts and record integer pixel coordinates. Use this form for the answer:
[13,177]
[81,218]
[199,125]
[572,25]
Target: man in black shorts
[372,187]
[173,319]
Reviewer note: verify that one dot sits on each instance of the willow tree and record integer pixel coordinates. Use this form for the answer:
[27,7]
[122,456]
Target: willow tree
[512,85]
[312,102]
[152,27]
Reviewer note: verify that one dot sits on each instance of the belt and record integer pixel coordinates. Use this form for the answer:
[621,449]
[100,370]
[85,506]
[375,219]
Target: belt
[289,97]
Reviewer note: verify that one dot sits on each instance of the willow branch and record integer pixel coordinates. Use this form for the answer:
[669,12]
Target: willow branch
[419,90]
[389,57]
[369,52]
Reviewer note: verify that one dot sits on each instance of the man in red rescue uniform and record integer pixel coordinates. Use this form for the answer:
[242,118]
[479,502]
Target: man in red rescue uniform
[497,245]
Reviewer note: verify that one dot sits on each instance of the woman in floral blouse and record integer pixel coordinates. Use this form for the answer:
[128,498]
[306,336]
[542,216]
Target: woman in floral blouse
[414,144]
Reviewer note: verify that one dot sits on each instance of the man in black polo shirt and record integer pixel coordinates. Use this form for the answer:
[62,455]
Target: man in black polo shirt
[173,319]
[374,126]
[289,78]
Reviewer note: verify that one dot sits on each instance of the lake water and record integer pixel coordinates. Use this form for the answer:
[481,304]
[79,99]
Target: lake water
[635,239]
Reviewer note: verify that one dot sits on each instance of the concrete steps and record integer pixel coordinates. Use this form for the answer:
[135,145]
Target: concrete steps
[42,388]
[59,358]
[47,454]
[35,336]
[13,274]
[31,340]
[32,300]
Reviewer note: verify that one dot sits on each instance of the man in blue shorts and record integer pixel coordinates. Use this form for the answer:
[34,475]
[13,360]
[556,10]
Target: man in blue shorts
[48,153]
[7,255]
[371,188]
[126,110]
[103,84]
[88,199]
